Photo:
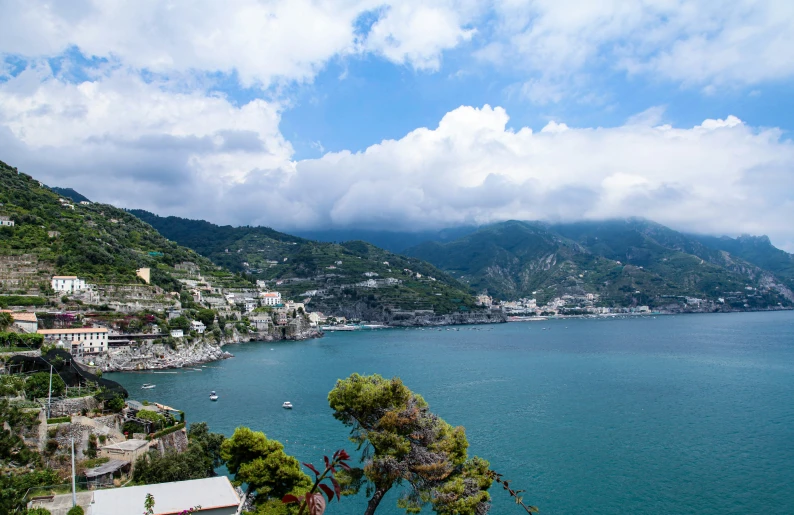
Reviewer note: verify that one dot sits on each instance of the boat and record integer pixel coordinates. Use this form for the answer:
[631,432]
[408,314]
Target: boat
[147,386]
[213,396]
[287,405]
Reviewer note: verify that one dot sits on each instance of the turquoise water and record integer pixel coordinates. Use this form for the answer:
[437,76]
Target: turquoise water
[676,414]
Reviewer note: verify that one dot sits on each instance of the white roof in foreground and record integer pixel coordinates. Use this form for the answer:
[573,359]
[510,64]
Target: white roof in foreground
[169,498]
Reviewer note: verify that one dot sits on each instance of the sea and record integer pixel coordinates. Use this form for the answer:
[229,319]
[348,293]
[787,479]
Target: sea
[685,414]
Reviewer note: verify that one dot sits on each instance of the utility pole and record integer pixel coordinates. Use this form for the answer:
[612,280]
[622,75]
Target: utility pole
[49,396]
[74,487]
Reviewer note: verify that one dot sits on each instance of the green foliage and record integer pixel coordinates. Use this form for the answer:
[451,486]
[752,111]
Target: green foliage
[166,431]
[24,340]
[406,442]
[263,465]
[38,511]
[14,486]
[180,322]
[6,320]
[171,466]
[116,404]
[59,420]
[11,385]
[211,443]
[38,385]
[21,300]
[93,446]
[130,427]
[158,421]
[205,316]
[75,510]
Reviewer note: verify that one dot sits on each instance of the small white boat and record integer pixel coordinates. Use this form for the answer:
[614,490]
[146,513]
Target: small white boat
[213,396]
[287,405]
[147,386]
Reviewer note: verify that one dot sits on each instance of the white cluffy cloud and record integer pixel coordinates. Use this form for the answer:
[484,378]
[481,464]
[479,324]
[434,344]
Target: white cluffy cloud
[119,139]
[262,41]
[706,44]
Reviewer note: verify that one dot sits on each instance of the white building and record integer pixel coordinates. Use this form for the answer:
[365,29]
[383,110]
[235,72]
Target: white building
[198,326]
[177,333]
[270,298]
[214,495]
[6,222]
[25,321]
[83,340]
[261,322]
[67,283]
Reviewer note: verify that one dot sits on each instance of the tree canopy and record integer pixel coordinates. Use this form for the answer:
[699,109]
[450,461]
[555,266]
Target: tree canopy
[404,442]
[38,385]
[263,465]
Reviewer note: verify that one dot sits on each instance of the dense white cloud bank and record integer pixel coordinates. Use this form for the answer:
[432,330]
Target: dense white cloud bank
[133,143]
[140,128]
[263,41]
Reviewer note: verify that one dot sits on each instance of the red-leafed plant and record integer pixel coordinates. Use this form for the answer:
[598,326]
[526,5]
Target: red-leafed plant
[313,500]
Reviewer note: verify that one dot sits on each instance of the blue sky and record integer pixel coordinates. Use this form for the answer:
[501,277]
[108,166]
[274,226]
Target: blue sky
[409,115]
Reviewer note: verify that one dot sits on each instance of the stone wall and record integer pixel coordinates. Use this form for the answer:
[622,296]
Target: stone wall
[176,441]
[63,407]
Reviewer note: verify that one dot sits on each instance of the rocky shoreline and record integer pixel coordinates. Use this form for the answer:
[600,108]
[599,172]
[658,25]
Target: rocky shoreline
[198,352]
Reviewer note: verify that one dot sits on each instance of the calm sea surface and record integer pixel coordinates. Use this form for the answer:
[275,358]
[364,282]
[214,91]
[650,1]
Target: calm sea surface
[674,414]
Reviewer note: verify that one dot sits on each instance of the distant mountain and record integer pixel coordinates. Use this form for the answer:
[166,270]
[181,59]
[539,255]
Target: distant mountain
[626,262]
[393,241]
[97,241]
[757,250]
[70,194]
[354,279]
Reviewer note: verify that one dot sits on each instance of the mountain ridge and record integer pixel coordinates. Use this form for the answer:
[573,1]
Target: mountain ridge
[630,261]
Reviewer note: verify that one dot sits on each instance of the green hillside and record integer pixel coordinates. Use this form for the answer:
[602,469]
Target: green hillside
[757,250]
[626,262]
[97,242]
[333,275]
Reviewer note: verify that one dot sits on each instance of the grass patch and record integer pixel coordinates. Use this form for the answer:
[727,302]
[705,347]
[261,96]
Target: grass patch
[59,420]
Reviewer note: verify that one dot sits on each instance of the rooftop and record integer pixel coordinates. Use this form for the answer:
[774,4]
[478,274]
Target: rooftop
[64,277]
[105,468]
[74,331]
[25,317]
[127,445]
[169,498]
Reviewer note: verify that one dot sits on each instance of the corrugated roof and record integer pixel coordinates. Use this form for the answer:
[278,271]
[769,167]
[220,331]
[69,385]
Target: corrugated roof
[105,468]
[169,498]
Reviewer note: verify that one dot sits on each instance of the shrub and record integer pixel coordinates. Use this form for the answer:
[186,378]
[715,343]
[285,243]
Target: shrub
[37,385]
[51,446]
[76,510]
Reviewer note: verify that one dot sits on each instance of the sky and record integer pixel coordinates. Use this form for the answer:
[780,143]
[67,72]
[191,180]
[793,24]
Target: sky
[409,115]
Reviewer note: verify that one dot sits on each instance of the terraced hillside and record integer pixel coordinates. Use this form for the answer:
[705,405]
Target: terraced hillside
[98,242]
[354,278]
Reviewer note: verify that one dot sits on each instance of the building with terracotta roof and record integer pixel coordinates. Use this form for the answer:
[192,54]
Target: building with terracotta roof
[25,321]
